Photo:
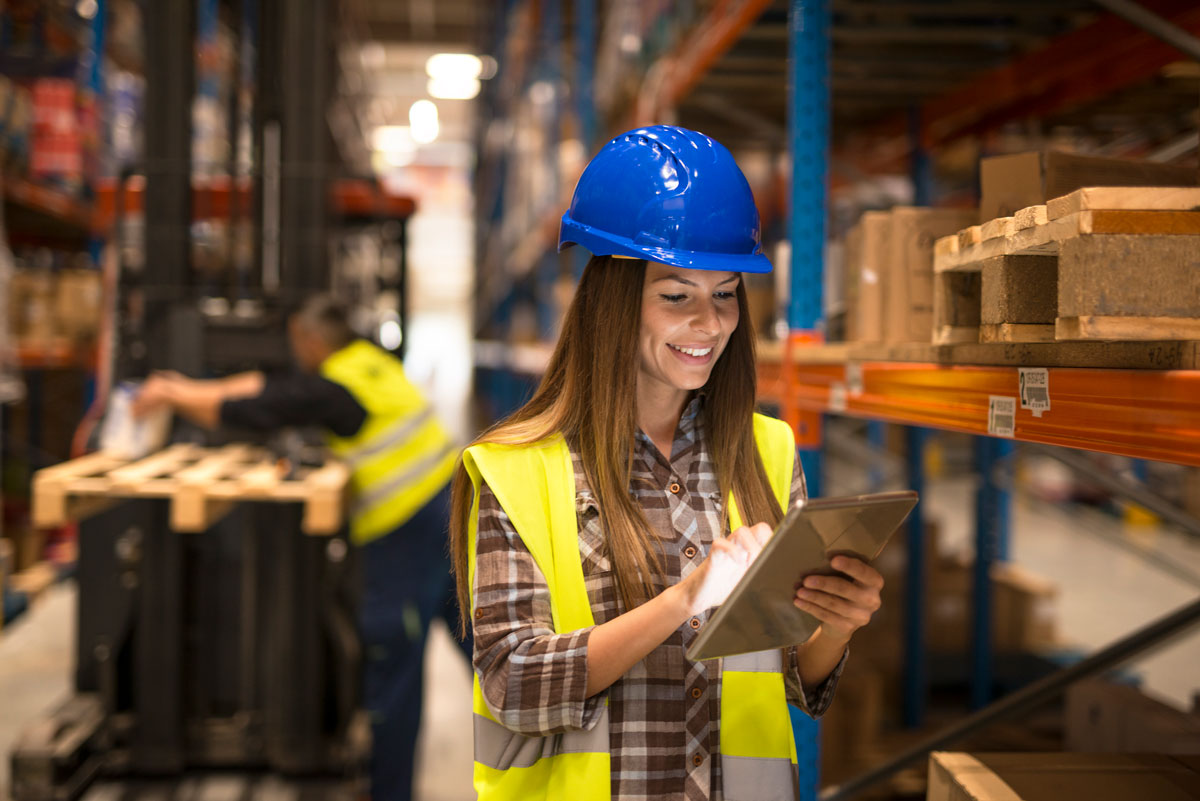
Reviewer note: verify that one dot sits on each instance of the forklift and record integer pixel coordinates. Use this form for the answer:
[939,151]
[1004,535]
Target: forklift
[224,664]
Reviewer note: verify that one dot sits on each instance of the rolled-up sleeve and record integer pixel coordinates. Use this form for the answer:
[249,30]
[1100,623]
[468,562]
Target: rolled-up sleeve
[815,701]
[533,680]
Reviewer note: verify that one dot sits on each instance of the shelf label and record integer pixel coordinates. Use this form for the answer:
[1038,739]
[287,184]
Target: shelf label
[837,397]
[1002,413]
[854,379]
[1035,389]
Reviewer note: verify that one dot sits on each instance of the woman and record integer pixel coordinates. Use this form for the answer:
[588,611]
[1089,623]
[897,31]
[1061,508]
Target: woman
[595,529]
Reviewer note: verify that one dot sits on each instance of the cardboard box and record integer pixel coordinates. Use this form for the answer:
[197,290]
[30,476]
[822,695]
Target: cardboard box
[908,278]
[851,265]
[1024,608]
[78,303]
[1062,777]
[1013,182]
[1104,716]
[872,267]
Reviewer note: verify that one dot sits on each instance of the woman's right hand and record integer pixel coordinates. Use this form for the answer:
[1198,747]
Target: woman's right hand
[728,560]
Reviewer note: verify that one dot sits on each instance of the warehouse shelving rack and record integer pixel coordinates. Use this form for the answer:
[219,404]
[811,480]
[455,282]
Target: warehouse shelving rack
[1083,57]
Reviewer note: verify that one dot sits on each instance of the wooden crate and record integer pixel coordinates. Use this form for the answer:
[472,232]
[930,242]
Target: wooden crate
[1123,260]
[202,485]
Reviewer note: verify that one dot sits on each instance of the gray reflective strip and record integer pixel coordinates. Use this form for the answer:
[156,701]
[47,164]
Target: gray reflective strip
[411,474]
[389,438]
[500,748]
[757,662]
[759,778]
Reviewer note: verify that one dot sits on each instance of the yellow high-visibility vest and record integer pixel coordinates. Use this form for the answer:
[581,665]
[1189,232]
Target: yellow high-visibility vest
[535,485]
[401,456]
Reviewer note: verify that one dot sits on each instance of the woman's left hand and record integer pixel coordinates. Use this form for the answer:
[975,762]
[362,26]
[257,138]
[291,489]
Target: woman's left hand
[843,606]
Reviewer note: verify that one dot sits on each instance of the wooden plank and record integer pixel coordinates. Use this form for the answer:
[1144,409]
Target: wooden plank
[193,509]
[1029,216]
[326,489]
[1140,222]
[999,227]
[1114,355]
[128,477]
[97,462]
[970,236]
[954,334]
[54,506]
[1016,332]
[945,246]
[1128,328]
[1128,198]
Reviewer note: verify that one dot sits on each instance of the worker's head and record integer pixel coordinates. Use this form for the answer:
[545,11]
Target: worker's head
[317,329]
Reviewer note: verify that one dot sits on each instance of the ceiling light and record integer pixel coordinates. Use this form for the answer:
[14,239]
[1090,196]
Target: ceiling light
[423,121]
[453,89]
[454,66]
[392,137]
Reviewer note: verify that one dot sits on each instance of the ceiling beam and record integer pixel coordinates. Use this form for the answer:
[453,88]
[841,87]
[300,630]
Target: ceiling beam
[1078,67]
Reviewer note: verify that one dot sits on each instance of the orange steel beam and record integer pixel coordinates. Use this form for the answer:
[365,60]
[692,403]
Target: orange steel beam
[695,55]
[1075,68]
[1145,414]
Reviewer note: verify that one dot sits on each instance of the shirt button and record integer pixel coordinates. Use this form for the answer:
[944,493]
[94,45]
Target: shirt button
[694,623]
[479,614]
[697,692]
[697,760]
[675,488]
[689,551]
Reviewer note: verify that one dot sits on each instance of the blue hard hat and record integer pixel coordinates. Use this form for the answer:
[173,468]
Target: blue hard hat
[670,195]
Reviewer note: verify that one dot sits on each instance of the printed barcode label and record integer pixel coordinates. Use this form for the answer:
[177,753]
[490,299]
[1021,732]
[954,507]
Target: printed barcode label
[854,379]
[1035,389]
[1002,413]
[837,397]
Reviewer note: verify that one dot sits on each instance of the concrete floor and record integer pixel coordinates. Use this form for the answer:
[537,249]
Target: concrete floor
[1107,589]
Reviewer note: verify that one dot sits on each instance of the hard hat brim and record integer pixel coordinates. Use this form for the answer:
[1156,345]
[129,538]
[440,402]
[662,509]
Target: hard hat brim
[599,243]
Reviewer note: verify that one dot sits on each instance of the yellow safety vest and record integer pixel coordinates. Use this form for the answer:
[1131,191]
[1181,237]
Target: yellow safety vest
[401,456]
[535,484]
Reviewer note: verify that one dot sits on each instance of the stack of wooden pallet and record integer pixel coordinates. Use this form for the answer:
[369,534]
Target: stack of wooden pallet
[1102,263]
[202,484]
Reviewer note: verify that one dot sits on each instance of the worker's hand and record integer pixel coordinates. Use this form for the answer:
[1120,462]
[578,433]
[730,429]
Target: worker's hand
[156,391]
[842,605]
[710,583]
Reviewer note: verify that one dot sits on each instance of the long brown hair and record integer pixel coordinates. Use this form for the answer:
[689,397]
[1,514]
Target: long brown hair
[588,394]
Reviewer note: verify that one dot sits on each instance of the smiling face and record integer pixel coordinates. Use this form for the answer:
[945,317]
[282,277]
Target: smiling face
[687,318]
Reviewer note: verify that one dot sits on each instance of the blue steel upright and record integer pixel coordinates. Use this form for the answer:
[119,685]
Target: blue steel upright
[916,673]
[809,23]
[991,521]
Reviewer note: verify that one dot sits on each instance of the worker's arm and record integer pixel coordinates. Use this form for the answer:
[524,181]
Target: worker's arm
[242,385]
[198,401]
[616,646]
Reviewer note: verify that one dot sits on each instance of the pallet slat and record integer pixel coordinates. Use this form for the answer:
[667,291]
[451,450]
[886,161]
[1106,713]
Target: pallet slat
[202,485]
[1127,198]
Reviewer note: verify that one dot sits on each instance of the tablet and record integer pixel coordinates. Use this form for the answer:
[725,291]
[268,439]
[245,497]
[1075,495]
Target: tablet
[759,614]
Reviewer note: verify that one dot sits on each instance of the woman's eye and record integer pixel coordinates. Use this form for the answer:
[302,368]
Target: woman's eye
[725,295]
[674,298]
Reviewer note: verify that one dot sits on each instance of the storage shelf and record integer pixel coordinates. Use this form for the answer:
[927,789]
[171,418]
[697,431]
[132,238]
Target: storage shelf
[1145,414]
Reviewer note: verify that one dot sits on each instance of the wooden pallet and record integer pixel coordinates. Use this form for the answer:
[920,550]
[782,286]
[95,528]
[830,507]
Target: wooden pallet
[202,485]
[1166,355]
[1117,261]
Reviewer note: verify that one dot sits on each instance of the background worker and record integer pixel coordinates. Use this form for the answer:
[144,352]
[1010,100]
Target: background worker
[595,530]
[401,460]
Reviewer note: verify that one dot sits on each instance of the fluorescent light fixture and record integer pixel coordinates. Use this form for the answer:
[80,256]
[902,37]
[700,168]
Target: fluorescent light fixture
[423,121]
[453,88]
[454,66]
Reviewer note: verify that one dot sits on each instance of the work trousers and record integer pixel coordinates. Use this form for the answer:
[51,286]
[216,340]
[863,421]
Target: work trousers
[406,584]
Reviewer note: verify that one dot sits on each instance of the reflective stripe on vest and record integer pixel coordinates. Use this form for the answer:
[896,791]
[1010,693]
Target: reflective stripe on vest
[535,484]
[401,456]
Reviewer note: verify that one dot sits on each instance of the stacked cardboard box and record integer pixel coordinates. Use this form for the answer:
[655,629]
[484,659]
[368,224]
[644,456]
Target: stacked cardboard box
[1024,608]
[1104,716]
[888,272]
